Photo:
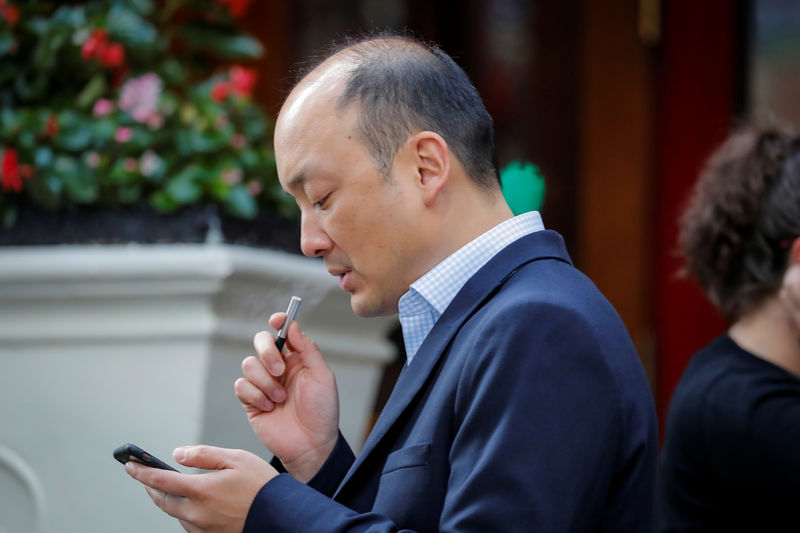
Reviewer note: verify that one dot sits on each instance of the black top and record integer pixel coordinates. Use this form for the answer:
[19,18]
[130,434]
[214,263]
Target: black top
[731,457]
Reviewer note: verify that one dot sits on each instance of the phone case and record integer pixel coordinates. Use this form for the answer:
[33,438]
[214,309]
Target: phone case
[125,453]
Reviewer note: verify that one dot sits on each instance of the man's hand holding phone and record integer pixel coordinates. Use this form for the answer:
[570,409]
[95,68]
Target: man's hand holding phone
[291,399]
[216,501]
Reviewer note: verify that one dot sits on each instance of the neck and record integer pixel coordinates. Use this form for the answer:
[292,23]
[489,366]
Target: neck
[769,333]
[460,219]
[475,213]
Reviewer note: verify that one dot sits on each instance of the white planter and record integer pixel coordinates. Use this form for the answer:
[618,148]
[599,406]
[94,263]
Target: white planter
[103,345]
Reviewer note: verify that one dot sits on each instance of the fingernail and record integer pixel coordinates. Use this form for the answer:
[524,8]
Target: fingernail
[179,453]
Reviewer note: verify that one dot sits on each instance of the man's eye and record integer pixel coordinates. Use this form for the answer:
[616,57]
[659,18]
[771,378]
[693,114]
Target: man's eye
[321,203]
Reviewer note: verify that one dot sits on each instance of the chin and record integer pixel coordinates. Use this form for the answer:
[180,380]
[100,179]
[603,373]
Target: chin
[364,307]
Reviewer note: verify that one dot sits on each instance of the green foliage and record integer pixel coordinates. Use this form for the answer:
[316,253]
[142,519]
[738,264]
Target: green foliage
[113,102]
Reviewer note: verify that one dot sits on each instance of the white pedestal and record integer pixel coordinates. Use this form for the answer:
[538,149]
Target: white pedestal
[103,345]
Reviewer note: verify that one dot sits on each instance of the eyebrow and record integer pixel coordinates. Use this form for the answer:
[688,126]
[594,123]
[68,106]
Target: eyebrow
[296,181]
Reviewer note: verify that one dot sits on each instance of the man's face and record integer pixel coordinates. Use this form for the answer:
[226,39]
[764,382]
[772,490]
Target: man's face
[360,223]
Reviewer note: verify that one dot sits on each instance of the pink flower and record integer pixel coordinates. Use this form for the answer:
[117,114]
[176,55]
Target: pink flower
[155,121]
[103,107]
[232,176]
[123,134]
[93,159]
[254,188]
[130,164]
[139,96]
[238,141]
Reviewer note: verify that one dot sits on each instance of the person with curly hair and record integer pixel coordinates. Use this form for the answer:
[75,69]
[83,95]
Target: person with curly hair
[730,458]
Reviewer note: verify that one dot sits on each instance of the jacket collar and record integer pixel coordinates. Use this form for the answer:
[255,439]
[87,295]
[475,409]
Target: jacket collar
[536,246]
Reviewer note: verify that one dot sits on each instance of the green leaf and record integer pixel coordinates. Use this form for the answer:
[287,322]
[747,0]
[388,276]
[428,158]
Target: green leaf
[9,122]
[141,139]
[173,72]
[201,142]
[130,28]
[103,130]
[129,194]
[92,91]
[45,192]
[142,7]
[74,132]
[65,16]
[227,45]
[254,126]
[27,139]
[9,216]
[6,43]
[185,188]
[241,203]
[162,201]
[43,157]
[80,187]
[119,174]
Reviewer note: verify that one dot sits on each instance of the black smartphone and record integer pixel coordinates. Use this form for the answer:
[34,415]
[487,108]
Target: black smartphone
[128,452]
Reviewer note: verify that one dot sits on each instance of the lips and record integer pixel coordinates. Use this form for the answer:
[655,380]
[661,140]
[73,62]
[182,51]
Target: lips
[344,276]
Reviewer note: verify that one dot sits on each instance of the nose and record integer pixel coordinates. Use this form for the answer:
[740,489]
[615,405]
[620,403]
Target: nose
[314,241]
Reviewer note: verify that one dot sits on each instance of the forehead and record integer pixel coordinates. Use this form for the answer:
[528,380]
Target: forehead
[315,138]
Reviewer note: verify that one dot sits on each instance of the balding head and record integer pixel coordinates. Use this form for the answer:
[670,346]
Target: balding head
[401,86]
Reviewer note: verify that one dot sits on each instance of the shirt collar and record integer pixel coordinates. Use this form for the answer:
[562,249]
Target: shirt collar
[434,291]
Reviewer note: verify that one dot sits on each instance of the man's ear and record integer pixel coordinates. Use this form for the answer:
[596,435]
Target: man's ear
[432,160]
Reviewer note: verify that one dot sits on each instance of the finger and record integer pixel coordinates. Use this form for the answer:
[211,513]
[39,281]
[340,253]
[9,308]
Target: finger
[206,457]
[190,528]
[254,371]
[264,343]
[298,341]
[276,320]
[175,506]
[166,481]
[251,396]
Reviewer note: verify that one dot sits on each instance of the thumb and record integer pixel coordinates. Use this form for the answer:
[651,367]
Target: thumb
[205,457]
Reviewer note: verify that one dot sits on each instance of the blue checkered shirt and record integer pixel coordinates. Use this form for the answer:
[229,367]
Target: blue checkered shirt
[429,296]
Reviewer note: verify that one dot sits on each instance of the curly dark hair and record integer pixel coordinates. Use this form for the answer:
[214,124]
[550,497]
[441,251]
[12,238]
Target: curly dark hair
[742,217]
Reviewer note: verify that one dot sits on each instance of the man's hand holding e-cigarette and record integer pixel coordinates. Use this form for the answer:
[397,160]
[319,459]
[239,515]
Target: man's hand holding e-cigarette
[290,398]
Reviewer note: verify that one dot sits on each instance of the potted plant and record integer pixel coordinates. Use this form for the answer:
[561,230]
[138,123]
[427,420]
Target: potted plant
[117,111]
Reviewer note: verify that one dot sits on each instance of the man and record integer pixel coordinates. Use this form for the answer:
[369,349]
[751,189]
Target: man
[523,405]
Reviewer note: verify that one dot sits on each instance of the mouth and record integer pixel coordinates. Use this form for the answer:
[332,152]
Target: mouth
[344,275]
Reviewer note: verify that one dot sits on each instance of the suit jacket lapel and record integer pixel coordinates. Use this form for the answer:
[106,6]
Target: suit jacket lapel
[539,245]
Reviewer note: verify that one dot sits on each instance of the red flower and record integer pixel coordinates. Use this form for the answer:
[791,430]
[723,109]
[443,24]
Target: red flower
[219,92]
[9,168]
[92,45]
[243,80]
[27,172]
[235,7]
[51,127]
[111,55]
[9,12]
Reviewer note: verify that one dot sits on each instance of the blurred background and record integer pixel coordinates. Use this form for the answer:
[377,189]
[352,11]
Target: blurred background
[617,102]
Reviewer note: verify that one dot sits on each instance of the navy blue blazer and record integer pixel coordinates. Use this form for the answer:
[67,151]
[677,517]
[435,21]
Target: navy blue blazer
[525,409]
